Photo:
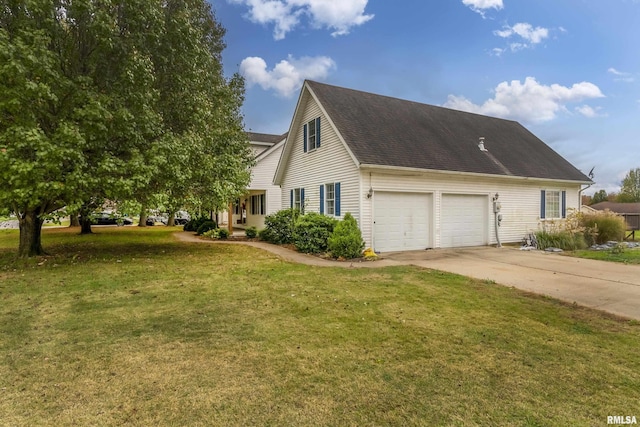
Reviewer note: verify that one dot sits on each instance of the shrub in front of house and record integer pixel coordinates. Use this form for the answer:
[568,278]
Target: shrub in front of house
[206,226]
[216,233]
[195,223]
[562,239]
[279,226]
[311,232]
[346,239]
[251,232]
[607,226]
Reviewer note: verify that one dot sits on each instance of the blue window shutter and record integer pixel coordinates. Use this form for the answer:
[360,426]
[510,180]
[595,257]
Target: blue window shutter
[542,203]
[304,138]
[318,132]
[302,200]
[337,196]
[564,204]
[291,199]
[322,199]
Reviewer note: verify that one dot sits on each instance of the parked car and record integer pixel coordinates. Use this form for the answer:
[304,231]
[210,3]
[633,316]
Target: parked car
[109,218]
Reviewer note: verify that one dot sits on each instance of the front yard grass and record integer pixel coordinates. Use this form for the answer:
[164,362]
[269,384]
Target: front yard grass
[130,327]
[627,256]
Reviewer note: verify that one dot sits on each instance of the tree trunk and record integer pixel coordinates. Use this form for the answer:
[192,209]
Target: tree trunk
[85,219]
[171,221]
[30,235]
[85,225]
[143,217]
[74,220]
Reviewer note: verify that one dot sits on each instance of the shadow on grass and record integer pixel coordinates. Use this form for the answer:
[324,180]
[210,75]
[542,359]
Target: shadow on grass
[66,245]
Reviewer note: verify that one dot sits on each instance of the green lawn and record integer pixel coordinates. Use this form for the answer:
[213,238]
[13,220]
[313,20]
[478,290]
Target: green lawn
[629,256]
[129,327]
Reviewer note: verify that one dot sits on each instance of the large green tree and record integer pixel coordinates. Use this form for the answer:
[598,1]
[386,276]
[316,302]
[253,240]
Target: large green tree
[206,156]
[85,91]
[76,104]
[630,191]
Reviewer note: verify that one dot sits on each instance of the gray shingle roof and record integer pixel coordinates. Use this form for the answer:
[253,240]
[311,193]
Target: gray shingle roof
[265,137]
[621,208]
[380,130]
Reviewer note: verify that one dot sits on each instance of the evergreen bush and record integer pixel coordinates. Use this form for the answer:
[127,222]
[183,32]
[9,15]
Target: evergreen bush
[206,226]
[311,232]
[195,223]
[216,233]
[251,232]
[346,239]
[280,226]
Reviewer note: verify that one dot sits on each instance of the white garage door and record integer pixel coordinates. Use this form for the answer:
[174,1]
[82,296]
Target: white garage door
[401,221]
[463,220]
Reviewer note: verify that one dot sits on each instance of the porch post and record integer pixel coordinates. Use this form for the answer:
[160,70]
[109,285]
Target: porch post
[230,218]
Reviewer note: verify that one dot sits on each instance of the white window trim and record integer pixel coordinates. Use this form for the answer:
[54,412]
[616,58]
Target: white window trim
[313,135]
[332,211]
[556,214]
[297,202]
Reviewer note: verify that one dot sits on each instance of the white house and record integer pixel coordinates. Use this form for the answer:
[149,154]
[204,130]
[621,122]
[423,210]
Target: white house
[262,197]
[417,176]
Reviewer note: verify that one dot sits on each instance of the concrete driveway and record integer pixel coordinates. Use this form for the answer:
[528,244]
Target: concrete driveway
[607,286]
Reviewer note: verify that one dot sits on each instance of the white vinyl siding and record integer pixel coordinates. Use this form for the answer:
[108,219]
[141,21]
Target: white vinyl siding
[331,163]
[262,183]
[520,200]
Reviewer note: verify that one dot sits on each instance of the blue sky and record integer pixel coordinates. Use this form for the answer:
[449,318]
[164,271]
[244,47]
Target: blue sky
[568,70]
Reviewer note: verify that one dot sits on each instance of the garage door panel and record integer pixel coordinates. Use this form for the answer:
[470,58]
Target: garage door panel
[463,220]
[401,221]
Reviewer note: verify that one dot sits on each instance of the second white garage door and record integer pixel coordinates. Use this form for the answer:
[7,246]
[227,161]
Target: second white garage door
[463,220]
[402,221]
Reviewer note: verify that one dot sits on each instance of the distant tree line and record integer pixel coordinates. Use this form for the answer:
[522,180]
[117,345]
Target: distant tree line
[629,191]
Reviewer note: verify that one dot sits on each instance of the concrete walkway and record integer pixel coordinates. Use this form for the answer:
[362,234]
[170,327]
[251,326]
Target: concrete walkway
[607,286]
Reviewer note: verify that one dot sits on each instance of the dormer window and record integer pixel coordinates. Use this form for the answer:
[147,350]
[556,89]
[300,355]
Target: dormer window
[311,135]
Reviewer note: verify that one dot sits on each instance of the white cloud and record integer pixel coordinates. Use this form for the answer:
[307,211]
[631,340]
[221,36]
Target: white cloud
[287,76]
[621,76]
[529,101]
[481,6]
[589,111]
[526,32]
[338,16]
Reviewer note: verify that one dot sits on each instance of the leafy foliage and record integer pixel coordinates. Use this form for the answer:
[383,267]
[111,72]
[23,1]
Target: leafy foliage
[115,100]
[606,226]
[580,230]
[560,239]
[195,223]
[346,240]
[216,234]
[206,226]
[251,232]
[599,196]
[312,231]
[630,191]
[279,226]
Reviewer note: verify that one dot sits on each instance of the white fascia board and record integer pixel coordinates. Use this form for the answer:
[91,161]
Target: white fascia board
[413,171]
